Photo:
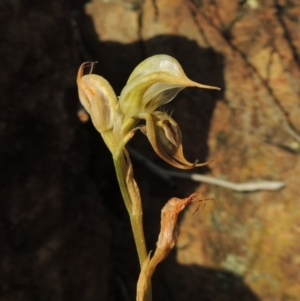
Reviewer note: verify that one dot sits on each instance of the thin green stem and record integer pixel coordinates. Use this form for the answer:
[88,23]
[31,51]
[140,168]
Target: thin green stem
[134,208]
[135,211]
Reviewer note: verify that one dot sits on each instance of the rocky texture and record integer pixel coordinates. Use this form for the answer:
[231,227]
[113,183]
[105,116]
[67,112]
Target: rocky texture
[251,49]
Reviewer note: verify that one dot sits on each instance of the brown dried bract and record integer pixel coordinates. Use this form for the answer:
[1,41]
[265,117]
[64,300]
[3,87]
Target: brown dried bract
[166,239]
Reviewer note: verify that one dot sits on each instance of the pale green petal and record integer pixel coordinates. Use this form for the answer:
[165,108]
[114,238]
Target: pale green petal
[158,94]
[157,63]
[154,82]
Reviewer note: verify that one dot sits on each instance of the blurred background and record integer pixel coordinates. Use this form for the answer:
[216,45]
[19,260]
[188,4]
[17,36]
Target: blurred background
[64,230]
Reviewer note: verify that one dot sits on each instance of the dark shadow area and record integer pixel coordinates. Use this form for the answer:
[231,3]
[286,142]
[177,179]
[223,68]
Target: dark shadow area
[191,282]
[64,231]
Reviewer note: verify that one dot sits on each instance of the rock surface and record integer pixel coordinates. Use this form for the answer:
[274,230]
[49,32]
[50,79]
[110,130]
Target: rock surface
[251,50]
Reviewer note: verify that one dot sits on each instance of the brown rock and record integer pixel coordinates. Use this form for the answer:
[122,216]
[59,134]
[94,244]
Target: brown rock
[250,49]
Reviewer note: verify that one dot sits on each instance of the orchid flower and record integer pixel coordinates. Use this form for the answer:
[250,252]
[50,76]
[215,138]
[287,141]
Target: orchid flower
[153,83]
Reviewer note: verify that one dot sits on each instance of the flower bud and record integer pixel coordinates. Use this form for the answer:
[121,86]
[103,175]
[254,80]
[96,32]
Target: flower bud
[98,98]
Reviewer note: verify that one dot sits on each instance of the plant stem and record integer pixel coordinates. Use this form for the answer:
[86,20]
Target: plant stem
[134,208]
[135,211]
